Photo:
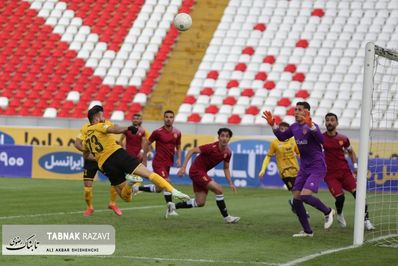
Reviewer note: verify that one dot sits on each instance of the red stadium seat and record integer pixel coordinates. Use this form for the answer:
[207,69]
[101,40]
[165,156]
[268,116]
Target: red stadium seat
[252,110]
[302,94]
[260,27]
[284,102]
[290,68]
[290,111]
[194,118]
[300,77]
[207,91]
[261,75]
[249,92]
[211,109]
[213,74]
[248,50]
[230,100]
[232,84]
[241,67]
[269,85]
[234,119]
[318,12]
[302,43]
[190,99]
[269,59]
[278,119]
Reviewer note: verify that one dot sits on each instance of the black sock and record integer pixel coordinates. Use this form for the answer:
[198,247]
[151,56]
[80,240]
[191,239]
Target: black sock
[168,198]
[339,203]
[183,205]
[366,212]
[221,205]
[145,189]
[366,205]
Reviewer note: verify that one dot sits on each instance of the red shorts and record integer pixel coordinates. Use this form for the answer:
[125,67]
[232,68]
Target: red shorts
[339,180]
[200,180]
[163,171]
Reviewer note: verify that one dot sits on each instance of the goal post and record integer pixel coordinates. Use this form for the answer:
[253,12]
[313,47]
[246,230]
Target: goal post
[364,144]
[379,110]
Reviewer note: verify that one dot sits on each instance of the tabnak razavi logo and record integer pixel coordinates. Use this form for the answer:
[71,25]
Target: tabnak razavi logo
[48,239]
[18,243]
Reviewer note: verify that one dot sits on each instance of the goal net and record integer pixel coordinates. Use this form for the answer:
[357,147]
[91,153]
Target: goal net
[377,182]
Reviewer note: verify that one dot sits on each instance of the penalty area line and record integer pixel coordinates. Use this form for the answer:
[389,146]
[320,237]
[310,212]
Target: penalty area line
[217,262]
[76,212]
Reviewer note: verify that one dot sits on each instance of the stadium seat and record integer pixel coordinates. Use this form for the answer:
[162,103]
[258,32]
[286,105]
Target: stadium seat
[50,113]
[92,103]
[117,115]
[181,117]
[194,118]
[207,118]
[3,102]
[73,96]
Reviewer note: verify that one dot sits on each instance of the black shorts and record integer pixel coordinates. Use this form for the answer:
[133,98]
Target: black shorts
[90,170]
[289,182]
[118,165]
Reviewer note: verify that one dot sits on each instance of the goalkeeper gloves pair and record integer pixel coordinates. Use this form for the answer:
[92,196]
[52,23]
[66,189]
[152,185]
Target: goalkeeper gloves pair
[271,120]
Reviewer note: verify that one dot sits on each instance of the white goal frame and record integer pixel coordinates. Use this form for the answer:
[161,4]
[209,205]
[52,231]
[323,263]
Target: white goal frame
[370,52]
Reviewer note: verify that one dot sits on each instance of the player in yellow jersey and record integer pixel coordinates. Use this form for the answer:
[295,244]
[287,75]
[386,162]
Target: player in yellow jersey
[90,170]
[115,162]
[286,153]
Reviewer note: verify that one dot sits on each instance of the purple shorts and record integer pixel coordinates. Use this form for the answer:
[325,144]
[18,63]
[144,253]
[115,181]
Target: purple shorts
[310,178]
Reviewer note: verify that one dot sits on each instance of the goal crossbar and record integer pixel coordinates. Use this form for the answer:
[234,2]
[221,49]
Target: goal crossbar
[387,53]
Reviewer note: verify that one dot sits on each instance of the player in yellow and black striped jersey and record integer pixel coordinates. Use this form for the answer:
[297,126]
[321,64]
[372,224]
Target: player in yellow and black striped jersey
[286,153]
[90,170]
[114,161]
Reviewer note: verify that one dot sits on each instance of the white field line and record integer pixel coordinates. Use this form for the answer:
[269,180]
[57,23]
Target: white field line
[217,262]
[330,251]
[76,212]
[315,255]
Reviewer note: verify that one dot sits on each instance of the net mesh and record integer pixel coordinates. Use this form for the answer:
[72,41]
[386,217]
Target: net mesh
[382,185]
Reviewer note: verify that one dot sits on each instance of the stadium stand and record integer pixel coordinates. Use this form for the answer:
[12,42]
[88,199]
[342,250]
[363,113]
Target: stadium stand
[286,51]
[65,54]
[58,57]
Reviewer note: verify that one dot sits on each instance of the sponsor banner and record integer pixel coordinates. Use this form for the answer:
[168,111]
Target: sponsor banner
[6,139]
[58,239]
[244,170]
[15,161]
[62,137]
[383,174]
[189,141]
[57,163]
[40,136]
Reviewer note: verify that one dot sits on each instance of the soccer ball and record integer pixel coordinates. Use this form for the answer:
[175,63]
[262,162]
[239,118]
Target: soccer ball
[183,21]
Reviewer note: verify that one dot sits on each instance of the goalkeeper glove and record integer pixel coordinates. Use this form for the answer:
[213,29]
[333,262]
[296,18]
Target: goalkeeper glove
[270,119]
[308,119]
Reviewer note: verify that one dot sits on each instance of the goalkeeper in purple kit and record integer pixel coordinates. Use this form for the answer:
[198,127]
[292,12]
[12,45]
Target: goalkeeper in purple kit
[312,171]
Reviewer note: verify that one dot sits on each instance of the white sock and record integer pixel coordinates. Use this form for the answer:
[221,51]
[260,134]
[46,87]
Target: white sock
[151,187]
[193,203]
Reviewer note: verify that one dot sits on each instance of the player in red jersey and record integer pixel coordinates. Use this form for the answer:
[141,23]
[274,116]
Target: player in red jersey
[339,175]
[209,156]
[134,144]
[168,143]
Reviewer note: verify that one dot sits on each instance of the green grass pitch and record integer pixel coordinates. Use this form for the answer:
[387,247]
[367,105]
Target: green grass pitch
[195,237]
